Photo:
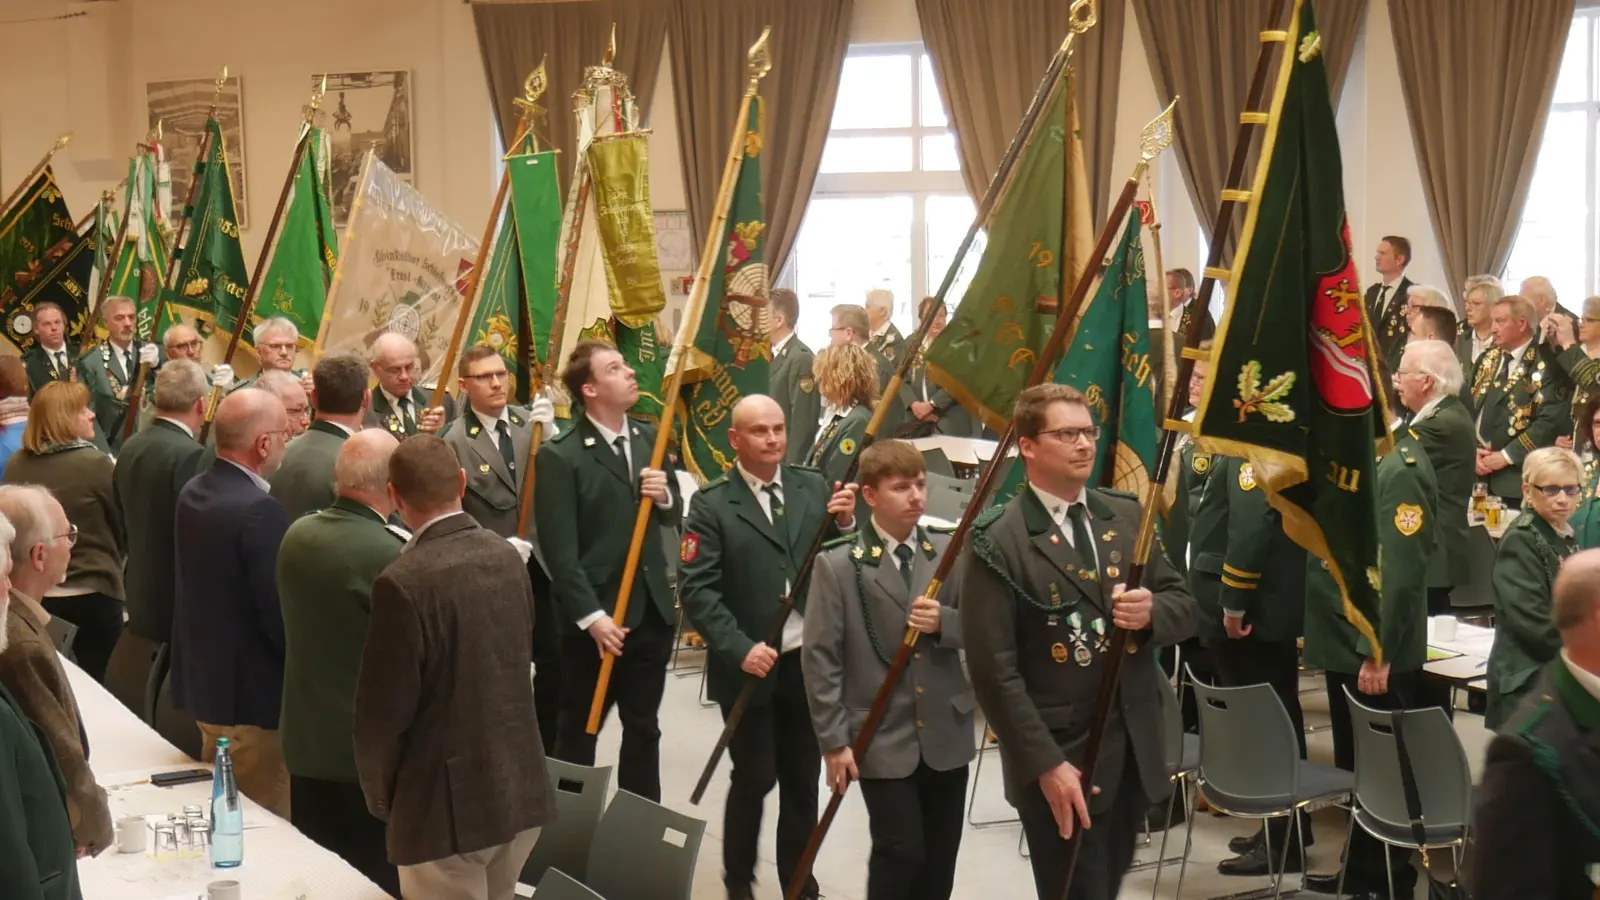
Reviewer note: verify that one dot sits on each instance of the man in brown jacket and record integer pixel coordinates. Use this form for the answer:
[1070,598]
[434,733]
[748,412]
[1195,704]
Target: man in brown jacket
[31,669]
[447,744]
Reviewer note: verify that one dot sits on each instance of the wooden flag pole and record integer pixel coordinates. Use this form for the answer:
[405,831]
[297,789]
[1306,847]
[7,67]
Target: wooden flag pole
[1083,18]
[61,142]
[758,64]
[1250,119]
[1157,136]
[268,249]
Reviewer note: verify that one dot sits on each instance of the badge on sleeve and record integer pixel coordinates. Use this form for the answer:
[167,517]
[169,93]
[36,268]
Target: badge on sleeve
[689,548]
[1201,463]
[807,384]
[1247,477]
[1408,519]
[847,446]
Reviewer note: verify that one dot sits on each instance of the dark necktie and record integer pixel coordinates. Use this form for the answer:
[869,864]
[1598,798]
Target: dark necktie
[409,422]
[504,441]
[1082,540]
[903,553]
[1383,301]
[61,363]
[774,502]
[621,446]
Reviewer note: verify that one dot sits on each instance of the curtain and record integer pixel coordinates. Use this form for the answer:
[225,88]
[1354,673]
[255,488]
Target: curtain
[513,37]
[1205,52]
[708,40]
[988,59]
[1478,76]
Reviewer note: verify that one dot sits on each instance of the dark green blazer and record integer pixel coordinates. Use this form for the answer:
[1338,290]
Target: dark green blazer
[304,480]
[734,563]
[795,388]
[154,466]
[1193,470]
[326,599]
[1445,436]
[1525,636]
[584,501]
[1522,416]
[38,859]
[382,415]
[42,370]
[102,371]
[1241,560]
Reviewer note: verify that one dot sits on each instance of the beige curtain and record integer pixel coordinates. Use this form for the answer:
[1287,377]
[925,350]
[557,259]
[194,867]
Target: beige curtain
[989,58]
[707,41]
[1205,52]
[1478,76]
[513,37]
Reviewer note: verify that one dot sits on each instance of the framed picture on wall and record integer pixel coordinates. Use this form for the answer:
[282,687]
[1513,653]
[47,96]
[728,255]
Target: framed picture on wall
[180,106]
[366,110]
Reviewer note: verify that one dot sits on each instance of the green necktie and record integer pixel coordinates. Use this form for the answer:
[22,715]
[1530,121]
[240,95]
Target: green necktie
[903,552]
[504,441]
[774,502]
[1082,540]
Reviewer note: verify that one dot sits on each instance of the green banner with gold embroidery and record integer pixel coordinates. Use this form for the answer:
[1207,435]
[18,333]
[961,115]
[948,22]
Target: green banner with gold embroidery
[307,252]
[140,271]
[36,233]
[621,173]
[212,278]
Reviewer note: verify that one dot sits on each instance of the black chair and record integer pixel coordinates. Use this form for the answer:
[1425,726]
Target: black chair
[564,844]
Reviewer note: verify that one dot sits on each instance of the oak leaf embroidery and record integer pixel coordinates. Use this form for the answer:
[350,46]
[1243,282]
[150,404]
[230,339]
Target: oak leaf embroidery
[1254,398]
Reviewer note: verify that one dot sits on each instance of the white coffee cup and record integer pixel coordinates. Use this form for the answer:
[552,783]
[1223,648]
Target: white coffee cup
[223,890]
[1444,628]
[131,834]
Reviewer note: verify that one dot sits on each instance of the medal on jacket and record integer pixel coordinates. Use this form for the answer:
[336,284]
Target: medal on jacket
[1079,638]
[1100,642]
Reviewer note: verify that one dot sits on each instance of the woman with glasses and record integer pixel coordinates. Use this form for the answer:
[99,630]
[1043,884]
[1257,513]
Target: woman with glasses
[1531,551]
[58,453]
[13,407]
[847,378]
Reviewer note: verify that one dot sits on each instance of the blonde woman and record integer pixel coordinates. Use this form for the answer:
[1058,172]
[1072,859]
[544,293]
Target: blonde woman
[847,378]
[1531,551]
[58,453]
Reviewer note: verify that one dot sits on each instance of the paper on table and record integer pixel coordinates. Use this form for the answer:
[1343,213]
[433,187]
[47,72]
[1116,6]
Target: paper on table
[1459,668]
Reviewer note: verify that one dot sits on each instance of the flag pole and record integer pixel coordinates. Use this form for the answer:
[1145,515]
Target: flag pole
[1083,18]
[268,249]
[1252,118]
[758,64]
[1155,137]
[62,141]
[141,372]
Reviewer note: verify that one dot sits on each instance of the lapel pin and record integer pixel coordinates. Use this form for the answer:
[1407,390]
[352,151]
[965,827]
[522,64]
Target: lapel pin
[877,552]
[1112,571]
[1052,620]
[635,432]
[473,431]
[856,552]
[588,442]
[1108,536]
[1116,556]
[927,546]
[484,467]
[1058,652]
[1055,539]
[1055,594]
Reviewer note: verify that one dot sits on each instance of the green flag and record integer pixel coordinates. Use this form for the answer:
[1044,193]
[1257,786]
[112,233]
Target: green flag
[1293,370]
[1108,359]
[732,351]
[36,233]
[985,355]
[212,279]
[65,279]
[307,252]
[140,270]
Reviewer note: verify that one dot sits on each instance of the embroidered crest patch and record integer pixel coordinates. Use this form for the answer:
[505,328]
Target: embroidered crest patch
[689,548]
[1247,477]
[847,446]
[1408,519]
[1201,463]
[808,384]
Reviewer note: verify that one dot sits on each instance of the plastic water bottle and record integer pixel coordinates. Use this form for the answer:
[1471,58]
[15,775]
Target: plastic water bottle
[227,816]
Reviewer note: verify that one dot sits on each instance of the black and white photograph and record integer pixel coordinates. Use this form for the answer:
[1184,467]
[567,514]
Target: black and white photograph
[180,106]
[362,111]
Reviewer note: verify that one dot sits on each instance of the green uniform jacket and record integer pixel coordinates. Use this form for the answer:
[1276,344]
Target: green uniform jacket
[381,415]
[584,501]
[304,480]
[1407,509]
[1520,417]
[887,350]
[792,384]
[102,372]
[1525,637]
[734,564]
[954,419]
[154,466]
[42,370]
[1032,625]
[1241,560]
[836,447]
[1193,469]
[38,859]
[494,491]
[1445,436]
[1586,521]
[327,599]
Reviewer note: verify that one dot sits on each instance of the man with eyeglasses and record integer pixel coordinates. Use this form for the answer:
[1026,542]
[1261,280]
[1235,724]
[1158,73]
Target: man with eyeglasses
[1041,594]
[109,369]
[851,326]
[179,342]
[276,342]
[399,404]
[49,359]
[1428,384]
[291,392]
[1520,400]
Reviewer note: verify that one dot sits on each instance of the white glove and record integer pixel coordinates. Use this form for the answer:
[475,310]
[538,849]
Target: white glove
[524,549]
[149,355]
[222,377]
[543,412]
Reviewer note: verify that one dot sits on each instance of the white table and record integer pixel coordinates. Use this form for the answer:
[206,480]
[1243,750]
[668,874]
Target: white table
[1469,670]
[280,863]
[960,451]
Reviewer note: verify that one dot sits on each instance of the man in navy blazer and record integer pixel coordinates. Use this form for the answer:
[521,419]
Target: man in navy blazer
[227,630]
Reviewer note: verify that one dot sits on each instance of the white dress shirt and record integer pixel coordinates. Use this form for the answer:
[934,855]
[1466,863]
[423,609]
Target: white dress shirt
[260,482]
[1427,410]
[186,429]
[426,525]
[778,347]
[794,627]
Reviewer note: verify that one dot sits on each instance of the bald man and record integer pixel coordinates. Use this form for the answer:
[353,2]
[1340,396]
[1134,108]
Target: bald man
[747,534]
[326,598]
[399,405]
[227,630]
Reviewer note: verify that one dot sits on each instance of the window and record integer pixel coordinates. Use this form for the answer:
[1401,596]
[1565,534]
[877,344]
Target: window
[889,207]
[1557,237]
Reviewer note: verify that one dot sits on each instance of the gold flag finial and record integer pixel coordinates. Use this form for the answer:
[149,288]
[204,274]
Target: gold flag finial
[759,59]
[317,93]
[533,88]
[611,48]
[1158,135]
[62,140]
[222,79]
[1082,16]
[154,137]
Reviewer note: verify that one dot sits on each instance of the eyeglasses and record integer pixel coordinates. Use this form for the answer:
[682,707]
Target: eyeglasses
[71,534]
[298,412]
[276,347]
[1073,435]
[188,345]
[481,377]
[1591,321]
[1552,491]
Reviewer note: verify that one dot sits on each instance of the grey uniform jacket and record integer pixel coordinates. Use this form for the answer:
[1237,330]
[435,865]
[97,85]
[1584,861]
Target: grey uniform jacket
[493,489]
[930,714]
[1035,655]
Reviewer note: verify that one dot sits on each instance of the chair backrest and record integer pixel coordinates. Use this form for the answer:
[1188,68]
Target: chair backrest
[558,885]
[1248,747]
[938,463]
[62,634]
[564,844]
[948,497]
[177,726]
[1171,727]
[1438,762]
[644,851]
[129,674]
